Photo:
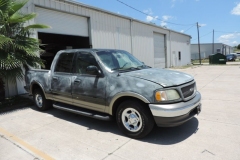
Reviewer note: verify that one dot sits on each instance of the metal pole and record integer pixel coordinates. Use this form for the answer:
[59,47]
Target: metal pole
[199,44]
[213,43]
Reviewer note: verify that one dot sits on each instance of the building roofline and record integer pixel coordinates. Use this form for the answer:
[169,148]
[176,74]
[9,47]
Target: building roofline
[115,14]
[211,44]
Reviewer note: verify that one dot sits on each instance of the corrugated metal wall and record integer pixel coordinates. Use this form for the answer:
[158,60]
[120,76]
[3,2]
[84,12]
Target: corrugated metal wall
[112,31]
[180,44]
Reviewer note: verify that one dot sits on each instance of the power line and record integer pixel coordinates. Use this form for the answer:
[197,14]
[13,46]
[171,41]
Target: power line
[189,28]
[203,36]
[152,16]
[226,32]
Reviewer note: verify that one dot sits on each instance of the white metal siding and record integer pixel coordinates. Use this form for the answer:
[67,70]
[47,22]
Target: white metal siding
[143,43]
[62,23]
[159,50]
[181,44]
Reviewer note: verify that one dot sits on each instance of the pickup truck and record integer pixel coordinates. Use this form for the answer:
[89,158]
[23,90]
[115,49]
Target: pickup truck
[112,84]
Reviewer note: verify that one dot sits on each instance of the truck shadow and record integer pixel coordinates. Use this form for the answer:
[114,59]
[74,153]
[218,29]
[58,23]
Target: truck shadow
[159,135]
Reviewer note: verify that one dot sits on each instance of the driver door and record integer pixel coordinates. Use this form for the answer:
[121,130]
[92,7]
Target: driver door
[88,90]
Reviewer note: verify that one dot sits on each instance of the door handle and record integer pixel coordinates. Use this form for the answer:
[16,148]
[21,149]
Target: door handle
[78,81]
[55,78]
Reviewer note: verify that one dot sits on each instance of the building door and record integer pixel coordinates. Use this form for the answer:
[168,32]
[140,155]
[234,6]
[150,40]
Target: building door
[159,50]
[62,23]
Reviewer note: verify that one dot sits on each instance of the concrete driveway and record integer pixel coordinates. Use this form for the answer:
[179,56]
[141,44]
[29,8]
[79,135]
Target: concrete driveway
[214,134]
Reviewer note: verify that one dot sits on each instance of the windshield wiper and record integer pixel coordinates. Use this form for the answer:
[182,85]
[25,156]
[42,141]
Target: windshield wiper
[143,66]
[126,69]
[131,68]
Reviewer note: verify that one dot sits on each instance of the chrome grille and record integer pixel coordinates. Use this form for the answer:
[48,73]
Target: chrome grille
[188,91]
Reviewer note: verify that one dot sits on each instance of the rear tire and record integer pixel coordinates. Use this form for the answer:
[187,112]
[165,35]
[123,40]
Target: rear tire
[134,119]
[40,101]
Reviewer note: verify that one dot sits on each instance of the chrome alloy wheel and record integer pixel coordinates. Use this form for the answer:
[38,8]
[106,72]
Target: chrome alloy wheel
[38,100]
[132,120]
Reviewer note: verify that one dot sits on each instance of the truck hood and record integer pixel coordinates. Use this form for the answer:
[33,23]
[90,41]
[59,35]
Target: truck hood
[164,77]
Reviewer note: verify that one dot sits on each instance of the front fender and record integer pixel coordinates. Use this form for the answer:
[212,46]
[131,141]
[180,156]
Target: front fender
[124,94]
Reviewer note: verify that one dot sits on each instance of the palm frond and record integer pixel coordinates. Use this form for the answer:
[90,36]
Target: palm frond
[18,18]
[5,5]
[16,6]
[4,40]
[37,26]
[12,74]
[17,48]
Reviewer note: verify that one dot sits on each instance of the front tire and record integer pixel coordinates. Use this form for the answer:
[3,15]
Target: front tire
[40,101]
[134,119]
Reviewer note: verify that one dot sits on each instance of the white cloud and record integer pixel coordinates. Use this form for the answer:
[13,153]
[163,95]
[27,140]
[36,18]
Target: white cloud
[151,19]
[202,25]
[235,43]
[148,11]
[236,10]
[163,24]
[182,31]
[229,38]
[165,18]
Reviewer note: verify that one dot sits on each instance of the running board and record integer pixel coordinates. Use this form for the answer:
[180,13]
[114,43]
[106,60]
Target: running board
[82,111]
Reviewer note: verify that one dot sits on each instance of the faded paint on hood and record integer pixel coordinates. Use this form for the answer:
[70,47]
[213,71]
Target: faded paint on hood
[164,77]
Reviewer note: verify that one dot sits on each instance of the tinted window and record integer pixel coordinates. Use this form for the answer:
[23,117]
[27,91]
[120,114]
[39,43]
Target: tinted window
[64,63]
[84,59]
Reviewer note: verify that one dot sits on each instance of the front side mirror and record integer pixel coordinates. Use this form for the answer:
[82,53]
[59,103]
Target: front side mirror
[93,70]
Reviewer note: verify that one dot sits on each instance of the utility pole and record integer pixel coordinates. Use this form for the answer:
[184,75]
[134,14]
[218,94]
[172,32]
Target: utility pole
[213,44]
[199,44]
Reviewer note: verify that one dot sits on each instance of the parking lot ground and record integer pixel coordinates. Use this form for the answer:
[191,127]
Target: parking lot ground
[214,134]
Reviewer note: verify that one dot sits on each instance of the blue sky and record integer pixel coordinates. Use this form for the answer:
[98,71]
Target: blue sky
[221,15]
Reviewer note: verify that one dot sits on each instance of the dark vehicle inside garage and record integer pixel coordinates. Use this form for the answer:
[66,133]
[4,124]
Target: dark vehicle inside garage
[52,43]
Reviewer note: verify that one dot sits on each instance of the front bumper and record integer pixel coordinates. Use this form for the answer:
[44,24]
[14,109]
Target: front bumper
[170,115]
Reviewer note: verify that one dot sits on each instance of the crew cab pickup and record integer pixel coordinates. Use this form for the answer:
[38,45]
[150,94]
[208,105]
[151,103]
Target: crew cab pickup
[106,84]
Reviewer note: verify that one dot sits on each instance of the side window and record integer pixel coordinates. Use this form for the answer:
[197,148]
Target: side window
[107,59]
[64,63]
[84,59]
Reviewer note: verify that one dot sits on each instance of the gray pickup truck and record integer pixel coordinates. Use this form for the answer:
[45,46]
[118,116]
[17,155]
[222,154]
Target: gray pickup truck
[106,84]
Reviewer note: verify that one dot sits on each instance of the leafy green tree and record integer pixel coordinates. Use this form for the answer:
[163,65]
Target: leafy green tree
[17,48]
[238,47]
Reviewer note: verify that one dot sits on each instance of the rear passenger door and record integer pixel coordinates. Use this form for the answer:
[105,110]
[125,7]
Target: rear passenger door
[88,90]
[61,80]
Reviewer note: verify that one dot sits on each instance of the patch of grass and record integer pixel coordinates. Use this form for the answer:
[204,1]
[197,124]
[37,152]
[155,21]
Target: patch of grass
[182,67]
[15,103]
[202,61]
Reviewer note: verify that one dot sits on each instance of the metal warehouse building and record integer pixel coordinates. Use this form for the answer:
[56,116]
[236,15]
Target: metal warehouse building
[76,25]
[207,49]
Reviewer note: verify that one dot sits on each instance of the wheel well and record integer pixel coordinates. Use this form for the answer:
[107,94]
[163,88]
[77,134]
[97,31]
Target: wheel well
[122,99]
[34,87]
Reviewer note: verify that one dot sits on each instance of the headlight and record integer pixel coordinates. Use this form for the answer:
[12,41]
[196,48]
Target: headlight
[167,95]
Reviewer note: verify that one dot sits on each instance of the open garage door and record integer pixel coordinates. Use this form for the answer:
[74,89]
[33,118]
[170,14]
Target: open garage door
[159,50]
[67,31]
[62,23]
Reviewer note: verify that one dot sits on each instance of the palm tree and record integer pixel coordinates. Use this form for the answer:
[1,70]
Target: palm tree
[17,48]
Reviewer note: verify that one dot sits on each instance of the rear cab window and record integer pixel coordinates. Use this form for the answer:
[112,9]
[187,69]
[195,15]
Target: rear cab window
[64,63]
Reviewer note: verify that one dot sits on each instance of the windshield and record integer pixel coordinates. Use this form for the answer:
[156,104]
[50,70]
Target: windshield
[119,60]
